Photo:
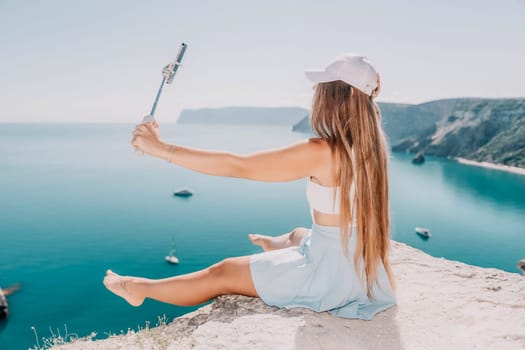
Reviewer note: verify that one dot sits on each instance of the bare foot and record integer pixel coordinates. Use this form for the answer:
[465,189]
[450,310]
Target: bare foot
[120,285]
[270,242]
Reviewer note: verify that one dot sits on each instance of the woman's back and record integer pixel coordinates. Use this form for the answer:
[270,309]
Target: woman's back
[324,206]
[320,193]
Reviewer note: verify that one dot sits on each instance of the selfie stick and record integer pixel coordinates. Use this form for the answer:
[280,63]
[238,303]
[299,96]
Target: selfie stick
[168,73]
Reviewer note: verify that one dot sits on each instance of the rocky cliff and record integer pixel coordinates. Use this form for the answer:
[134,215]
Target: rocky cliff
[483,130]
[442,304]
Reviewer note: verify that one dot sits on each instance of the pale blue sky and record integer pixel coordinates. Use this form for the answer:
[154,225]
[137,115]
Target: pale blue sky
[101,60]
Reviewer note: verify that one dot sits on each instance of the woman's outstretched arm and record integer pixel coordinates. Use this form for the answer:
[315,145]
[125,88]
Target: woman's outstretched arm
[292,162]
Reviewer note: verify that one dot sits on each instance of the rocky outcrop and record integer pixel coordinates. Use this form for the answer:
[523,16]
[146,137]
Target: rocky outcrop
[442,304]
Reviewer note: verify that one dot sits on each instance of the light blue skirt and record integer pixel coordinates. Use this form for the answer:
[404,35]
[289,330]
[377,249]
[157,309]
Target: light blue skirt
[316,275]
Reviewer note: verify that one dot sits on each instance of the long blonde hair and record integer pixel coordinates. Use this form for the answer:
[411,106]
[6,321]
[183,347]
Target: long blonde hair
[349,120]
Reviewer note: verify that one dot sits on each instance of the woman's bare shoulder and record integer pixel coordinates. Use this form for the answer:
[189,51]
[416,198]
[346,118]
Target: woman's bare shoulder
[325,173]
[320,144]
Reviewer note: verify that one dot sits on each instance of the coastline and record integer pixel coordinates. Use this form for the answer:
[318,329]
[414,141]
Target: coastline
[508,168]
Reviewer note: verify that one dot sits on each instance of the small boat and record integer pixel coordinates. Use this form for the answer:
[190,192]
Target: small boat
[4,309]
[423,231]
[183,192]
[418,159]
[171,258]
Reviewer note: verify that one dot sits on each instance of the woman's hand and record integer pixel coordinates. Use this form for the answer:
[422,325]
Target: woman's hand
[146,137]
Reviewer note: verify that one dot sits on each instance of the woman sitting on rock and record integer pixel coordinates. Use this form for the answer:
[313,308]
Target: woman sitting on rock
[341,263]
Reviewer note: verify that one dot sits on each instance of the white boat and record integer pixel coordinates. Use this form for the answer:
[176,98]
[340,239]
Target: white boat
[171,258]
[423,231]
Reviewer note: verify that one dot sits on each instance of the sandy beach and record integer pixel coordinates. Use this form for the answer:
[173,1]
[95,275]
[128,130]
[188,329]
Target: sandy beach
[508,168]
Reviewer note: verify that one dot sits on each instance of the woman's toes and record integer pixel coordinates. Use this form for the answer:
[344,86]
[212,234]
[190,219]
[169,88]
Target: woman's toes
[120,286]
[256,239]
[266,242]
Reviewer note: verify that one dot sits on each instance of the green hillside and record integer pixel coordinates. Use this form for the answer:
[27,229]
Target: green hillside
[491,130]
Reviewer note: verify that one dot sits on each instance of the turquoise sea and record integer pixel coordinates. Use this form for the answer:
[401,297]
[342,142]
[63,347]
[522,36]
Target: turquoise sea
[75,201]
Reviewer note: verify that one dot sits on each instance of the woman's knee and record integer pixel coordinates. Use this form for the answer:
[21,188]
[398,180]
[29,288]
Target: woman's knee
[223,268]
[297,234]
[232,275]
[218,268]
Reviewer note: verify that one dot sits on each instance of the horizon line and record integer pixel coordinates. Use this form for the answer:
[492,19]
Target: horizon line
[88,121]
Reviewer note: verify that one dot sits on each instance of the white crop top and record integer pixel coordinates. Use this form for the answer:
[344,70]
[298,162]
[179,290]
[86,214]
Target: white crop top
[321,197]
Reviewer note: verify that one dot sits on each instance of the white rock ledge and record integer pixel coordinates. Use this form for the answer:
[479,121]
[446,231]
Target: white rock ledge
[442,304]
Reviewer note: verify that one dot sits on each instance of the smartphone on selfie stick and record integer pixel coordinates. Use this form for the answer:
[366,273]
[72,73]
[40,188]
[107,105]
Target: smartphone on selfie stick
[168,73]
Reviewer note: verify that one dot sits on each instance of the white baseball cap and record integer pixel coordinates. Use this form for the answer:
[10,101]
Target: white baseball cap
[353,69]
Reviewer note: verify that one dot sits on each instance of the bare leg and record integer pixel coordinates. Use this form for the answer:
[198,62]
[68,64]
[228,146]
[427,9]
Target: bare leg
[229,276]
[289,239]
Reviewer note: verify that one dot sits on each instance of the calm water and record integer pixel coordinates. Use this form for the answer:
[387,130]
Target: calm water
[76,200]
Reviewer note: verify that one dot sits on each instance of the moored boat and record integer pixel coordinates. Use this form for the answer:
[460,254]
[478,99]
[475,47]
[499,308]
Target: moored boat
[183,192]
[171,258]
[423,231]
